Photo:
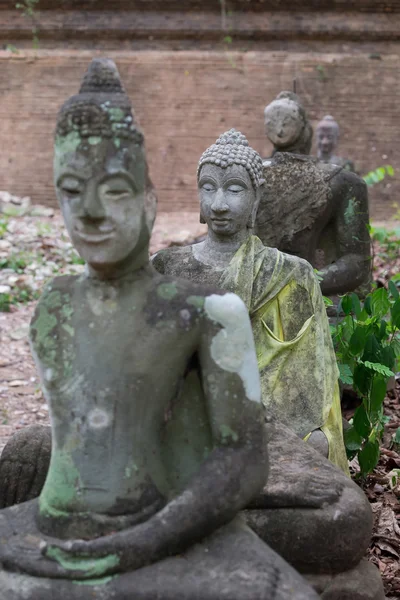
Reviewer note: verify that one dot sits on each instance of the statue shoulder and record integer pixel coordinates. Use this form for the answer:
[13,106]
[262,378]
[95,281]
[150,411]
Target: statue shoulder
[301,270]
[168,259]
[52,309]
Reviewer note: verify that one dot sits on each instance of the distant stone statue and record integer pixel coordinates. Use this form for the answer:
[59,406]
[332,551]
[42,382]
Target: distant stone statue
[154,394]
[297,363]
[327,140]
[286,124]
[313,209]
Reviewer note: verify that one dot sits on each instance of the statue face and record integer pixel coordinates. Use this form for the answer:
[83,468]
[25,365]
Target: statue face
[326,139]
[227,198]
[283,122]
[101,191]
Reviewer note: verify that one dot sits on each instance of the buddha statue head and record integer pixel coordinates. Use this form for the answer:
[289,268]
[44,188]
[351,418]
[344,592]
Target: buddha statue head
[327,137]
[230,177]
[100,173]
[286,124]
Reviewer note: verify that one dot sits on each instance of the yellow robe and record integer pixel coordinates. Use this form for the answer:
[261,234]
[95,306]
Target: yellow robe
[298,369]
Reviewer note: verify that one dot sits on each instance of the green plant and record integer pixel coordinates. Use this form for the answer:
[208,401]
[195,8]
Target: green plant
[3,226]
[378,175]
[28,9]
[5,302]
[15,262]
[389,241]
[367,345]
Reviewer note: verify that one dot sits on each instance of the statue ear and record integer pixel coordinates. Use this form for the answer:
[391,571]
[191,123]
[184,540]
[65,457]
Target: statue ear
[252,218]
[202,220]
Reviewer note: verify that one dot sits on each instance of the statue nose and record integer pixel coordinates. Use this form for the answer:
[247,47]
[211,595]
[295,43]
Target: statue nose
[219,204]
[92,204]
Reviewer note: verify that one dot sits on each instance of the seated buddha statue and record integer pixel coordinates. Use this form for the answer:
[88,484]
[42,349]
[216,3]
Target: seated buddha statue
[312,208]
[299,376]
[327,141]
[129,360]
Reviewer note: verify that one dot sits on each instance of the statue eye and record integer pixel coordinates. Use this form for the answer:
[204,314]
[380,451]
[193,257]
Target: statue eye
[117,193]
[235,189]
[70,187]
[208,187]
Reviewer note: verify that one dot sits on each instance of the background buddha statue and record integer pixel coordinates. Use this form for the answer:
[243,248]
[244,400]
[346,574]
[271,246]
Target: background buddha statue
[286,124]
[313,209]
[129,361]
[295,355]
[327,140]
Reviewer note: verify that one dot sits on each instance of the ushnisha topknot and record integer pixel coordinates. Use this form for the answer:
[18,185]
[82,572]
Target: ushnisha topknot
[101,108]
[232,148]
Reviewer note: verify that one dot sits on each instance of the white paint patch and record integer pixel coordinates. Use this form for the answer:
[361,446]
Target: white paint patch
[98,418]
[233,347]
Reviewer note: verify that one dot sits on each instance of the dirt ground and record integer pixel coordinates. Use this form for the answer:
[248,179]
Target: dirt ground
[39,249]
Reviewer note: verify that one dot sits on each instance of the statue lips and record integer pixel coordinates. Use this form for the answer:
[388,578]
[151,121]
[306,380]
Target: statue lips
[94,234]
[221,220]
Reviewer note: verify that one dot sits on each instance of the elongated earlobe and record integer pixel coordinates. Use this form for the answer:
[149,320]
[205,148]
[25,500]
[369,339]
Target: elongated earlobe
[202,221]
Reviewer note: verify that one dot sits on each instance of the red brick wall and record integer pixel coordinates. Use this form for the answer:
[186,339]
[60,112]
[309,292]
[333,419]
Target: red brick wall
[345,66]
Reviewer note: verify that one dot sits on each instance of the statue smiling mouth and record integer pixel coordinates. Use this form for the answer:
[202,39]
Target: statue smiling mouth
[94,234]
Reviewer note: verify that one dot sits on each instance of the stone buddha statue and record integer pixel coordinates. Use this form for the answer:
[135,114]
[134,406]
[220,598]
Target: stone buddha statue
[327,140]
[158,436]
[295,355]
[286,124]
[310,208]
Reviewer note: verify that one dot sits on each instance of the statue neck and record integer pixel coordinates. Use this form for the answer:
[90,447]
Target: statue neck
[131,265]
[218,250]
[324,156]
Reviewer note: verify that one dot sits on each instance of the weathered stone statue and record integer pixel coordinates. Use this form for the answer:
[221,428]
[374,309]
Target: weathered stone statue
[312,209]
[307,507]
[131,362]
[327,139]
[287,126]
[297,363]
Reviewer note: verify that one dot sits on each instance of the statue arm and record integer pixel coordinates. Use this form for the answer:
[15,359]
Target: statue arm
[353,266]
[234,471]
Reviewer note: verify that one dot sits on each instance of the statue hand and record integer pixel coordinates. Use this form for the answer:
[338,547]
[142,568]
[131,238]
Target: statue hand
[24,464]
[100,557]
[24,554]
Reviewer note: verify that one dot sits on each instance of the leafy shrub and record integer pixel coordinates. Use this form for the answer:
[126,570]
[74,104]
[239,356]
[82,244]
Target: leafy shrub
[367,345]
[378,175]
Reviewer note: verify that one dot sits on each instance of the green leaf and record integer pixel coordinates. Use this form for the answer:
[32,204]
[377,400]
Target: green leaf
[361,378]
[395,313]
[368,305]
[346,304]
[388,356]
[393,290]
[382,335]
[361,422]
[372,350]
[356,304]
[352,439]
[368,457]
[346,376]
[380,302]
[378,393]
[389,170]
[396,438]
[357,340]
[379,368]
